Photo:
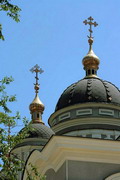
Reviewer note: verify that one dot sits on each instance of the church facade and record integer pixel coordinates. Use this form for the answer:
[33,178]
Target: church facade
[82,142]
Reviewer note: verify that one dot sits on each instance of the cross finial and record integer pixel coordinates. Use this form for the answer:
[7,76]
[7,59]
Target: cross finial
[91,23]
[37,70]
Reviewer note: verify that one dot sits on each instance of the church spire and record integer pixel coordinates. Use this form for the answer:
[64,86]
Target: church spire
[36,107]
[90,61]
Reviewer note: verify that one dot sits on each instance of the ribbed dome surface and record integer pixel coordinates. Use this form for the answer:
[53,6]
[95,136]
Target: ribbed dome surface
[89,90]
[40,130]
[37,130]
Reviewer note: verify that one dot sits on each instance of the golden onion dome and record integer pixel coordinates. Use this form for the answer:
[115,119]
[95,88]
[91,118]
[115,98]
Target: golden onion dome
[91,61]
[36,105]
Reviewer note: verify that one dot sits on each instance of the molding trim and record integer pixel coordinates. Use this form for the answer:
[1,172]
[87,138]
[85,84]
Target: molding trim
[81,112]
[95,110]
[64,116]
[106,112]
[84,105]
[85,121]
[62,148]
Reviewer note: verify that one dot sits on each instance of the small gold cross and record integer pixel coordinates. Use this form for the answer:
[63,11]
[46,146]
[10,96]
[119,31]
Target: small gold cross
[37,70]
[90,22]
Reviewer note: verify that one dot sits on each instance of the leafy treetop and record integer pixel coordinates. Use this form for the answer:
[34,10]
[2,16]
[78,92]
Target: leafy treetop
[11,10]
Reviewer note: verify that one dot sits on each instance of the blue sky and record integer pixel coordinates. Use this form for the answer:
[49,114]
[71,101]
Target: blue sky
[51,34]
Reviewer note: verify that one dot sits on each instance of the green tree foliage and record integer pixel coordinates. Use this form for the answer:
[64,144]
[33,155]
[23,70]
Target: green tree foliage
[11,10]
[33,174]
[10,164]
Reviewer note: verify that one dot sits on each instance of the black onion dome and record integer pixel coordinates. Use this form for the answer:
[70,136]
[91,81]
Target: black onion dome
[89,90]
[39,130]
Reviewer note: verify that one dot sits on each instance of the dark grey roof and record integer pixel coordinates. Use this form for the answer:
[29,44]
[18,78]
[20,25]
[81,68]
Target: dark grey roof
[89,90]
[40,130]
[37,130]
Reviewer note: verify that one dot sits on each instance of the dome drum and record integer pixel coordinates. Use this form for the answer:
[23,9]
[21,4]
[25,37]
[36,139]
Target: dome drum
[89,126]
[90,130]
[83,116]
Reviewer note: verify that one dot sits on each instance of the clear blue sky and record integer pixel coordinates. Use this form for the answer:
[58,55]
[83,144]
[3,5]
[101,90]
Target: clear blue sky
[52,35]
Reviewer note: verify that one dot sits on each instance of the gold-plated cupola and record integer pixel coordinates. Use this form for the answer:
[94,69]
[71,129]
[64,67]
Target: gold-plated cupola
[91,61]
[36,107]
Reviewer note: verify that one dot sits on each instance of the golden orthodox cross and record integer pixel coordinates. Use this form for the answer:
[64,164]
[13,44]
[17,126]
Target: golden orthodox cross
[37,70]
[91,23]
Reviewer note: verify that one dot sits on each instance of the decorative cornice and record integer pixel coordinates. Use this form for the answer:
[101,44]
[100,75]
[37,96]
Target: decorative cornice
[62,148]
